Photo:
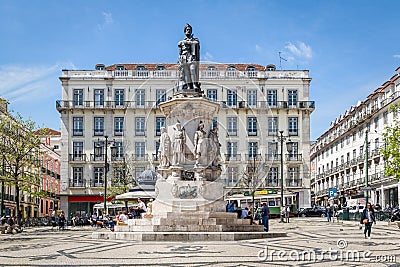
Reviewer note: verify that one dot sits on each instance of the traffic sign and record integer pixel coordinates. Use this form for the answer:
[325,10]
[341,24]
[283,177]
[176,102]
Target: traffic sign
[332,192]
[367,188]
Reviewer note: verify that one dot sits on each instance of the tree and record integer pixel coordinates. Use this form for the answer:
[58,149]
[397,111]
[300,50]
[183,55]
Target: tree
[20,151]
[123,177]
[391,150]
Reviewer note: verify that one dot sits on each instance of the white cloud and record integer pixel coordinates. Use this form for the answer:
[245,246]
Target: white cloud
[208,56]
[300,50]
[258,48]
[19,83]
[108,20]
[396,56]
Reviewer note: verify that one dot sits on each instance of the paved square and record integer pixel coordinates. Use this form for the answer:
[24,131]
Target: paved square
[310,242]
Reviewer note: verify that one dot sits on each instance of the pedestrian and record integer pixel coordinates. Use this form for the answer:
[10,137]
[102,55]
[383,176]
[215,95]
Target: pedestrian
[265,216]
[328,213]
[367,218]
[282,214]
[287,213]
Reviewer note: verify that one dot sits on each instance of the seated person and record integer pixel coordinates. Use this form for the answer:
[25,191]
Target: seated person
[140,208]
[122,219]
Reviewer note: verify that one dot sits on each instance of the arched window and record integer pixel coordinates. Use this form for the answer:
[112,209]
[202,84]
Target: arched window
[160,67]
[251,71]
[231,71]
[120,67]
[270,67]
[211,71]
[140,68]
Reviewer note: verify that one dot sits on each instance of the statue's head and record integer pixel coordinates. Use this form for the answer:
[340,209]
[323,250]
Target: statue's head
[188,29]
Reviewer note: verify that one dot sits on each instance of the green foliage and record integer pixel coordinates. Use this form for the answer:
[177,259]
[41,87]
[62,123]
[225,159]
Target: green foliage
[391,150]
[20,154]
[122,178]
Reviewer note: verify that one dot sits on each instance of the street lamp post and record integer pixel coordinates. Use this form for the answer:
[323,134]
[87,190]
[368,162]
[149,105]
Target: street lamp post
[289,145]
[99,151]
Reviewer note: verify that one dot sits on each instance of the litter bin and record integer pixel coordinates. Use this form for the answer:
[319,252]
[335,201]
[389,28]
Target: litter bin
[346,214]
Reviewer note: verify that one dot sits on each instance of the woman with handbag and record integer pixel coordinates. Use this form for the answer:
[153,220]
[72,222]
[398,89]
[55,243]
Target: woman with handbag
[367,218]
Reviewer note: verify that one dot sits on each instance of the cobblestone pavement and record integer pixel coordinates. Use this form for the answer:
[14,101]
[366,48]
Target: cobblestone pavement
[310,242]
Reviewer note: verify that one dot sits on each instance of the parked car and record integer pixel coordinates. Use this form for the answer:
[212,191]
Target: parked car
[312,212]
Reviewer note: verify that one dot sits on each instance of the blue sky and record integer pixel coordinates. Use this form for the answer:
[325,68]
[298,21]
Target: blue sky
[350,47]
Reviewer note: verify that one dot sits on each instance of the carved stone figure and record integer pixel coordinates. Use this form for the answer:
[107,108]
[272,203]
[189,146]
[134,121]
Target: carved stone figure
[201,146]
[189,58]
[178,156]
[164,150]
[214,148]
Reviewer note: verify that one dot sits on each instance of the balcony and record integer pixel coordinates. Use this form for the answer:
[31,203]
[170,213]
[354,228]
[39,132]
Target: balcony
[272,157]
[294,183]
[76,183]
[96,183]
[361,159]
[118,158]
[77,157]
[140,157]
[95,157]
[62,105]
[233,157]
[252,157]
[294,157]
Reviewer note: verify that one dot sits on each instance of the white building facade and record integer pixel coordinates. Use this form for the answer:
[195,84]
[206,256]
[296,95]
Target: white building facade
[339,158]
[121,102]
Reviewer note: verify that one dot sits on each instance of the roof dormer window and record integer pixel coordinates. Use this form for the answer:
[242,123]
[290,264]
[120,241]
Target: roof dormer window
[120,67]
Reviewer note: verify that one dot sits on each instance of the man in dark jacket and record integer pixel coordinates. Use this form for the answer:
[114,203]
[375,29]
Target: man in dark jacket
[265,216]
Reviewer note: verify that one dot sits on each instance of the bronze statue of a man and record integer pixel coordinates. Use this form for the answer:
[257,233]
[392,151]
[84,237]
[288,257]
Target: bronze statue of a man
[189,59]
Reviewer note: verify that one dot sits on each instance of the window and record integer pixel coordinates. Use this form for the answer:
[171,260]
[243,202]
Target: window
[98,97]
[232,126]
[361,151]
[120,67]
[272,126]
[140,97]
[272,151]
[160,122]
[292,97]
[232,98]
[98,157]
[98,173]
[354,153]
[376,122]
[77,150]
[232,151]
[293,126]
[119,149]
[119,97]
[212,94]
[273,174]
[140,150]
[348,156]
[211,71]
[293,176]
[161,96]
[354,136]
[294,152]
[232,175]
[77,126]
[214,123]
[98,126]
[160,68]
[119,126]
[231,71]
[77,176]
[376,143]
[252,126]
[156,154]
[78,97]
[272,98]
[252,98]
[253,148]
[385,117]
[139,122]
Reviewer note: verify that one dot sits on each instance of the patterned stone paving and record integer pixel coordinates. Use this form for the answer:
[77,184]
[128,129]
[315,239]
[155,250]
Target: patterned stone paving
[310,242]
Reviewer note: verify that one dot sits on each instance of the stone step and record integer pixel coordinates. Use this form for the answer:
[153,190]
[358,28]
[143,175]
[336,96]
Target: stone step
[242,228]
[185,236]
[187,228]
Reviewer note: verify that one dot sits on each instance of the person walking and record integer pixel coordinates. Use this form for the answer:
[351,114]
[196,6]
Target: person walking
[265,216]
[328,213]
[367,218]
[287,213]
